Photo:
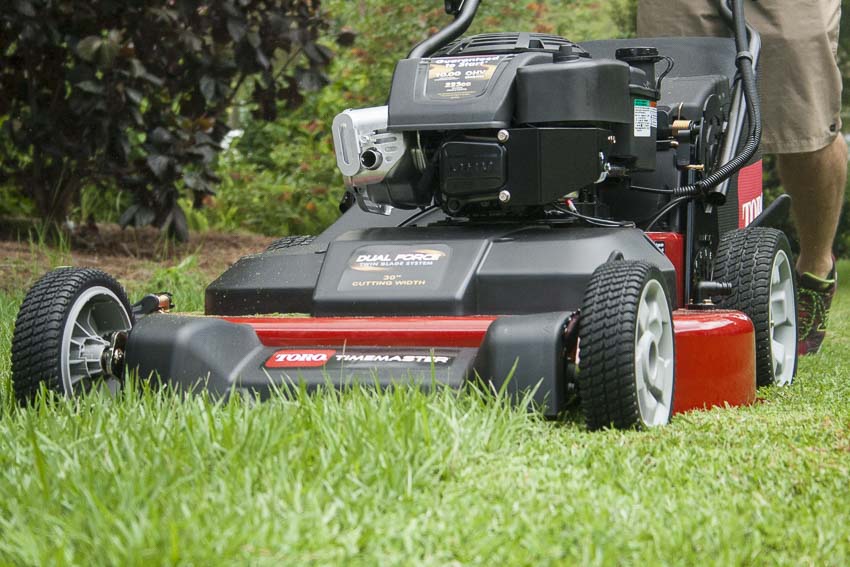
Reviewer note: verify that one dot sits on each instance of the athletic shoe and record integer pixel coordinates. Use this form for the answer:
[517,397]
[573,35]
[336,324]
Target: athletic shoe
[814,298]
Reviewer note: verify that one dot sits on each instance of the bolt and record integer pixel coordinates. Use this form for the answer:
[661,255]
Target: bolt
[504,196]
[503,136]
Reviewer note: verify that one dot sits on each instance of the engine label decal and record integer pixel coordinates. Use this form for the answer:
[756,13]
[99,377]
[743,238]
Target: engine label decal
[461,77]
[646,118]
[393,267]
[358,358]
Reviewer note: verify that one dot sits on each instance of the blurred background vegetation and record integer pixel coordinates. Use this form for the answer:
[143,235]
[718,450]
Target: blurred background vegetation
[279,176]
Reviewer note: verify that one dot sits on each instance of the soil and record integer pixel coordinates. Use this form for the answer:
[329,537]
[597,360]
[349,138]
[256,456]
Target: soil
[128,254]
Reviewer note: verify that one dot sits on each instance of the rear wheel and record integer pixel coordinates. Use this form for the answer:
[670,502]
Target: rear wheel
[66,322]
[757,262]
[626,349]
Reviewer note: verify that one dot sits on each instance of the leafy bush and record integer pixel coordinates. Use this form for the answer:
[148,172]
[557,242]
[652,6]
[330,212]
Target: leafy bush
[131,94]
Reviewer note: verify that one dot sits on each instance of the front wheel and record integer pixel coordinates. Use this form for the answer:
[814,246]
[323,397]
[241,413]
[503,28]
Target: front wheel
[64,326]
[627,354]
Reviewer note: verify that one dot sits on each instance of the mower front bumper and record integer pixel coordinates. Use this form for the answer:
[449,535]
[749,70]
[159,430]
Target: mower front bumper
[518,353]
[715,354]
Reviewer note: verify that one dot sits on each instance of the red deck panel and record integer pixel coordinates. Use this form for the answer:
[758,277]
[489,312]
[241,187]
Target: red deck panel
[370,331]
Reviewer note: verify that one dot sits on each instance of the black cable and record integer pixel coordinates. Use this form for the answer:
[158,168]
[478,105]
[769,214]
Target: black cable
[664,210]
[652,190]
[607,223]
[670,64]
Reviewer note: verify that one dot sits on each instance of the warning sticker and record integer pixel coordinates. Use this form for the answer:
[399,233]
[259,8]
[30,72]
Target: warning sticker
[646,118]
[387,267]
[460,77]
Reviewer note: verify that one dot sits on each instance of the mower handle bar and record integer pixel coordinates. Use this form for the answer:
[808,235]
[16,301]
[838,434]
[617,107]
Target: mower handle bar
[738,111]
[465,12]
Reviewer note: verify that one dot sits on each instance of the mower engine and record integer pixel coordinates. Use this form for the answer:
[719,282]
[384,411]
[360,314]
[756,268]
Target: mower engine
[502,124]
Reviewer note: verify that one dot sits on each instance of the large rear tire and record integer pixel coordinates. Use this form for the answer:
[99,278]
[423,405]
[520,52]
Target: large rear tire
[627,361]
[65,323]
[757,262]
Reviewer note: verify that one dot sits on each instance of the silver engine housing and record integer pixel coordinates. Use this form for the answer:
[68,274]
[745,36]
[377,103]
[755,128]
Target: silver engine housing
[366,151]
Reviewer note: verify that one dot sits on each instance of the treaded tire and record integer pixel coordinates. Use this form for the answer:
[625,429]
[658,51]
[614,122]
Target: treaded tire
[289,242]
[609,377]
[745,259]
[40,326]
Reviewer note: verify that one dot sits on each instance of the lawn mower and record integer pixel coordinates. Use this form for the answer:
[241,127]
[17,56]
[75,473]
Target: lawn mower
[556,221]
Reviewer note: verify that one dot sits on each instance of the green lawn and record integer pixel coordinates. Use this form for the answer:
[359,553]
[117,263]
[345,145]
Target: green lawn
[404,478]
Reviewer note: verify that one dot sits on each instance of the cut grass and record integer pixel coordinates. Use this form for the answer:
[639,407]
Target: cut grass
[403,477]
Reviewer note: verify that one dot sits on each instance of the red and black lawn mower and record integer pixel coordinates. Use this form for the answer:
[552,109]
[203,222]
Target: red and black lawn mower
[573,220]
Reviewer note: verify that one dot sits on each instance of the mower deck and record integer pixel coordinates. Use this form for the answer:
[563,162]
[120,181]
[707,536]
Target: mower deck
[258,354]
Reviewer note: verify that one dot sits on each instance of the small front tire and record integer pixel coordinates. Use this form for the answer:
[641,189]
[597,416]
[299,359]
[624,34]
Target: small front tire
[626,349]
[64,325]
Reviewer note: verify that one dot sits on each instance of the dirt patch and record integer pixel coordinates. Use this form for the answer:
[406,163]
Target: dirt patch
[130,255]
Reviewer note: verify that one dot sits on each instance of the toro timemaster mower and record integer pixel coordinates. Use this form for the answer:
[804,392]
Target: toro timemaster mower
[576,221]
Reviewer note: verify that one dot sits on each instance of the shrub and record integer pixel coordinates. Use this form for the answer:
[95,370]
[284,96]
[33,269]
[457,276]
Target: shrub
[135,94]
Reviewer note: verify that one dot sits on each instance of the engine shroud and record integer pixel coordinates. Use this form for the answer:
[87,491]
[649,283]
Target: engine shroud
[502,122]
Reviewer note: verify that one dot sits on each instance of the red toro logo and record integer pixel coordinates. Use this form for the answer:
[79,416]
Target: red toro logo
[299,358]
[750,201]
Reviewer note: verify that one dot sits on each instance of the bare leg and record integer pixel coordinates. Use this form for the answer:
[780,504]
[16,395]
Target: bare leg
[816,182]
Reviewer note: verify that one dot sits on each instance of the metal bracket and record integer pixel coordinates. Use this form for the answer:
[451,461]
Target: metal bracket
[153,303]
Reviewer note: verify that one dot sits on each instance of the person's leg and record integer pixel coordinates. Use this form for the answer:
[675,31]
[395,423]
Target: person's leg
[816,182]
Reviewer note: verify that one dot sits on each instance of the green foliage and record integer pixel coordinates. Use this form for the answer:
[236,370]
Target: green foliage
[131,94]
[184,281]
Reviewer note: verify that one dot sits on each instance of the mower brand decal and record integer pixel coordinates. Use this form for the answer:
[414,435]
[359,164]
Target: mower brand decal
[750,198]
[387,267]
[299,358]
[367,358]
[752,209]
[646,118]
[397,358]
[460,77]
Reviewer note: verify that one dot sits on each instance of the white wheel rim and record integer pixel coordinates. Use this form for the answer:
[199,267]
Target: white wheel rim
[783,320]
[95,314]
[654,357]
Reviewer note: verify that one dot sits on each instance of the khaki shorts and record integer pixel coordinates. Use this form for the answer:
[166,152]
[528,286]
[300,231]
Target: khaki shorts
[799,79]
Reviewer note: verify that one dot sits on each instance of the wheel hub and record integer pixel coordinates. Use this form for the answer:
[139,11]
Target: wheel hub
[783,320]
[654,355]
[96,317]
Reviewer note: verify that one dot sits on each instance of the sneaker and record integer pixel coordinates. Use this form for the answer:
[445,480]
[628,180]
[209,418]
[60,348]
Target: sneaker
[814,298]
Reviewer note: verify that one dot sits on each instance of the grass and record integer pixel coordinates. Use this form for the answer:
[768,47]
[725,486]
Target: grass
[408,478]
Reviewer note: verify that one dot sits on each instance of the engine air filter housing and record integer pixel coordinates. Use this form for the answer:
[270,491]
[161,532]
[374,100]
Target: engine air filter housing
[511,42]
